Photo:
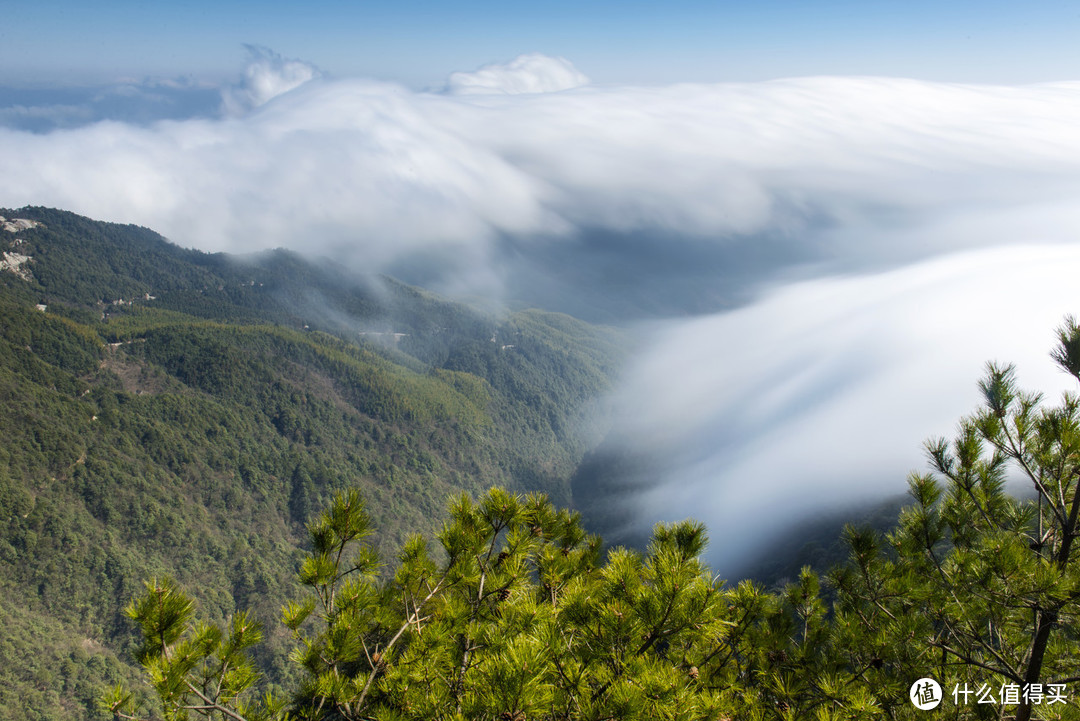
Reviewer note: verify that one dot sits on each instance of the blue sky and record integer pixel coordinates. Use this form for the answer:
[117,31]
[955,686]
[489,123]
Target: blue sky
[419,42]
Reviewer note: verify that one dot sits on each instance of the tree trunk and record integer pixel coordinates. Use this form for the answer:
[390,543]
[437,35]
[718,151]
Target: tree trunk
[1044,624]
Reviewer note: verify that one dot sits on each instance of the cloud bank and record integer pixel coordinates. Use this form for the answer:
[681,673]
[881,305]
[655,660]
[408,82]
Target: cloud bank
[852,172]
[820,394]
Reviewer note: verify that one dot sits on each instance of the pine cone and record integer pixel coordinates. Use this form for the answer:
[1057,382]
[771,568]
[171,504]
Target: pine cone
[694,673]
[775,657]
[504,594]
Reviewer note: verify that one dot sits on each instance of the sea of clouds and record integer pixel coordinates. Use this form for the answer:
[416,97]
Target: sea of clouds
[824,263]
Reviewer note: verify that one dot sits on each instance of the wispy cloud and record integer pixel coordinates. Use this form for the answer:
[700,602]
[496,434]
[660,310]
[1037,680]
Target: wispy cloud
[131,101]
[532,73]
[266,76]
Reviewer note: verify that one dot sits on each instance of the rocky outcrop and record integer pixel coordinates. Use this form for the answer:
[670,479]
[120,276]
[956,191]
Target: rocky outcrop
[16,263]
[16,224]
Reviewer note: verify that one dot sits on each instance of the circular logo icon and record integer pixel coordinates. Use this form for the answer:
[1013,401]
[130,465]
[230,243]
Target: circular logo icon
[925,694]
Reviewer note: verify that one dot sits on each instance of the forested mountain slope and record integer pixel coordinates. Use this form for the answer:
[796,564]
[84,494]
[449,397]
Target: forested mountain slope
[171,411]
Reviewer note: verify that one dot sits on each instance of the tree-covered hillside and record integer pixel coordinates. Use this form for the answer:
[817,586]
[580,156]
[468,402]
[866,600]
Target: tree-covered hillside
[167,411]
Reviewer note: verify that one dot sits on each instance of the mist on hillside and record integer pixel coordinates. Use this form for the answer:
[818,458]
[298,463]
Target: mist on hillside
[815,269]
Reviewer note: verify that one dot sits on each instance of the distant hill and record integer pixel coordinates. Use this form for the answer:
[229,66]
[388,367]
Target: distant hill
[171,411]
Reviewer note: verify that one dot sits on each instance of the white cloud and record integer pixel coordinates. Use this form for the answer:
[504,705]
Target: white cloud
[266,76]
[822,392]
[531,73]
[859,170]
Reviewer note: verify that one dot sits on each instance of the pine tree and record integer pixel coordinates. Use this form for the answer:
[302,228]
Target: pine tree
[193,667]
[980,588]
[511,618]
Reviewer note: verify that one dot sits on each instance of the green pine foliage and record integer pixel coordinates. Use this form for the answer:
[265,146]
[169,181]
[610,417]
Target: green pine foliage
[978,586]
[513,616]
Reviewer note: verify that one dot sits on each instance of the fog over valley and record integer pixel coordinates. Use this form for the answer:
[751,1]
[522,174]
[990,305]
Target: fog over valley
[814,269]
